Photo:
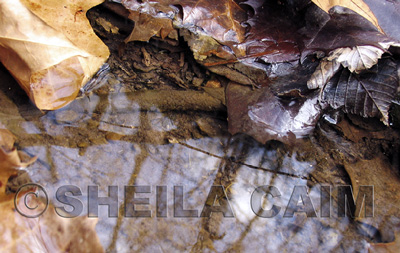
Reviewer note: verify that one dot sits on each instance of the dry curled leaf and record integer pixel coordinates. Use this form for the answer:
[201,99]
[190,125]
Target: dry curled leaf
[325,71]
[50,48]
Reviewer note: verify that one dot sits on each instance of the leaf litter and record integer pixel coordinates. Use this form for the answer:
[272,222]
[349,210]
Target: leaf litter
[287,49]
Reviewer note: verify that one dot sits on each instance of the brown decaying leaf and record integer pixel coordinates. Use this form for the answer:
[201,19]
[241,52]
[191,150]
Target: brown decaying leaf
[10,159]
[46,233]
[389,247]
[265,117]
[219,19]
[50,48]
[272,36]
[379,173]
[368,94]
[357,6]
[146,26]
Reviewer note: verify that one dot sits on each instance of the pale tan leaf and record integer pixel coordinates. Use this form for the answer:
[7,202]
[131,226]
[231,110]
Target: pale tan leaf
[358,58]
[41,38]
[325,70]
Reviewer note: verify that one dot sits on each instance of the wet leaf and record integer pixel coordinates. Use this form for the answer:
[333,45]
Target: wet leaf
[379,173]
[10,159]
[264,116]
[147,26]
[342,28]
[387,13]
[356,59]
[219,19]
[368,94]
[272,36]
[389,247]
[357,6]
[50,48]
[47,233]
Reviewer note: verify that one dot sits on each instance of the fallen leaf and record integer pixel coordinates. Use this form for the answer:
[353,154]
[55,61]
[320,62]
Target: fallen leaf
[379,173]
[50,48]
[272,35]
[357,6]
[368,94]
[387,13]
[219,19]
[358,58]
[262,115]
[324,72]
[147,26]
[10,159]
[46,233]
[342,28]
[388,247]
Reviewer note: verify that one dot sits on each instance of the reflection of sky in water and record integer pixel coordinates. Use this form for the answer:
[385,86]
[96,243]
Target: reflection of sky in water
[195,165]
[171,165]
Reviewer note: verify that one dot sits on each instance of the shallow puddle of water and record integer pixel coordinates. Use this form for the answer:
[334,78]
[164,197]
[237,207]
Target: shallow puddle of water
[107,141]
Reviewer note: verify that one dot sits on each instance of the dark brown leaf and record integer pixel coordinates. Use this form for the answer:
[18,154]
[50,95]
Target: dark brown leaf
[146,26]
[218,19]
[357,6]
[388,14]
[341,28]
[272,36]
[264,116]
[368,94]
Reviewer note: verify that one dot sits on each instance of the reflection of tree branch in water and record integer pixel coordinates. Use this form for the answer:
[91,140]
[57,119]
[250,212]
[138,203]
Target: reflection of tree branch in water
[243,163]
[230,163]
[140,158]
